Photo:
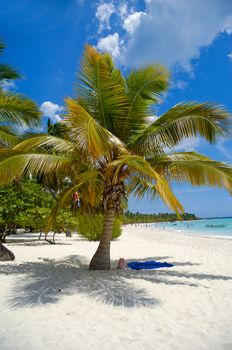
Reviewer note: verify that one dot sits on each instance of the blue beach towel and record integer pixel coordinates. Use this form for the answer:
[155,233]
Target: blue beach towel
[148,265]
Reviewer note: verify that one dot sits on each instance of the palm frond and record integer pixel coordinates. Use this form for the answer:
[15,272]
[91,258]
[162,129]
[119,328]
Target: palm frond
[7,72]
[101,91]
[7,137]
[7,152]
[45,142]
[89,186]
[32,164]
[87,134]
[140,186]
[194,168]
[15,108]
[2,46]
[208,120]
[137,164]
[144,88]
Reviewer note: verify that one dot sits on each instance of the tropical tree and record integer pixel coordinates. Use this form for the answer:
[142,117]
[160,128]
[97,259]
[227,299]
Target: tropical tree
[15,109]
[109,148]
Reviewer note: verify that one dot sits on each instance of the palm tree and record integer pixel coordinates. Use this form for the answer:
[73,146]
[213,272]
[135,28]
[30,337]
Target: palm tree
[15,109]
[109,149]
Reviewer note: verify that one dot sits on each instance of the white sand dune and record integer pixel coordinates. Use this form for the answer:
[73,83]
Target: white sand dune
[49,300]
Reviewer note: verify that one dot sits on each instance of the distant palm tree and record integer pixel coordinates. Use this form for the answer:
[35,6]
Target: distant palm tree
[109,147]
[15,109]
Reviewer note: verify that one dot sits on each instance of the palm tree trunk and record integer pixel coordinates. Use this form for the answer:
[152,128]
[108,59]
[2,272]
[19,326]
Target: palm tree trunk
[101,259]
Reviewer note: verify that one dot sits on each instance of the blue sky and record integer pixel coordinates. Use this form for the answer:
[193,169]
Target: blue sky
[45,40]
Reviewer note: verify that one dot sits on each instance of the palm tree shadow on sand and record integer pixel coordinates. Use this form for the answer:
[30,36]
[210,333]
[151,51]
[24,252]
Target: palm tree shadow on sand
[47,280]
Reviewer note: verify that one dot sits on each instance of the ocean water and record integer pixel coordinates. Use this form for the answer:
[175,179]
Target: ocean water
[212,227]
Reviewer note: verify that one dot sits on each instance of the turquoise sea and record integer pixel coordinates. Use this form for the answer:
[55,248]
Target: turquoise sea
[212,227]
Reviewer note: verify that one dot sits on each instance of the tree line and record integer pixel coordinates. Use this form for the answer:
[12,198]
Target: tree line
[132,218]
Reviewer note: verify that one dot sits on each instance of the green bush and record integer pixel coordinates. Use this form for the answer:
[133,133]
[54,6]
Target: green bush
[91,227]
[65,221]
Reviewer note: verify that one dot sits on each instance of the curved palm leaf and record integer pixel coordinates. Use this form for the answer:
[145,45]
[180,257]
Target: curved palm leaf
[139,186]
[144,88]
[102,91]
[209,120]
[7,137]
[32,164]
[89,185]
[57,144]
[7,72]
[87,134]
[137,164]
[195,168]
[17,109]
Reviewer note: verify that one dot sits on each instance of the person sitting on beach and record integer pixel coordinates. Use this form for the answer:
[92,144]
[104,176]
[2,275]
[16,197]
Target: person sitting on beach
[122,264]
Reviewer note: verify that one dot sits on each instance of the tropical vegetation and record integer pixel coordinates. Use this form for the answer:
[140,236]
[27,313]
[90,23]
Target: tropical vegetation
[16,110]
[133,218]
[27,204]
[91,227]
[110,148]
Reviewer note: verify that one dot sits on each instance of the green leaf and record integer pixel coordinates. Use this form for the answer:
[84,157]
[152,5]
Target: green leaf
[17,109]
[208,120]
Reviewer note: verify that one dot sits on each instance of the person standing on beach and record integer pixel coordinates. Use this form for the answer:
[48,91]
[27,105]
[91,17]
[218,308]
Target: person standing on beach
[76,200]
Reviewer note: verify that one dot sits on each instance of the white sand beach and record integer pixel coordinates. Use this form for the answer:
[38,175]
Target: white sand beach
[49,300]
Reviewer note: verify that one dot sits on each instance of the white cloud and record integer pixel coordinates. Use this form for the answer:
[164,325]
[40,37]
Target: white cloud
[224,149]
[23,127]
[111,44]
[228,25]
[7,85]
[52,111]
[188,145]
[178,84]
[151,119]
[230,55]
[132,21]
[123,10]
[103,14]
[174,31]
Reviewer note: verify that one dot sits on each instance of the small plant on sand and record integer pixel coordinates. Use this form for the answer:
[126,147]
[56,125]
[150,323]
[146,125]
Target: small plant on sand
[91,227]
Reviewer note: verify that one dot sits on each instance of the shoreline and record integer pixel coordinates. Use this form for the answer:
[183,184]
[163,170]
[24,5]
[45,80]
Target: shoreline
[195,234]
[181,231]
[187,306]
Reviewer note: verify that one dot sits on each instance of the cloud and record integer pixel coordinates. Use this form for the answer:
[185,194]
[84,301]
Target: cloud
[103,14]
[132,21]
[51,110]
[123,10]
[151,119]
[174,31]
[111,44]
[23,127]
[224,149]
[188,145]
[7,85]
[178,84]
[230,55]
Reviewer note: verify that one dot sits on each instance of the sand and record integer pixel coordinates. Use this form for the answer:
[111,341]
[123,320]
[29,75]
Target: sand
[49,300]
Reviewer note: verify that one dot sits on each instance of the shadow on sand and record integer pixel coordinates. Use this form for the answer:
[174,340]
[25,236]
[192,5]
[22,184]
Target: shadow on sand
[47,280]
